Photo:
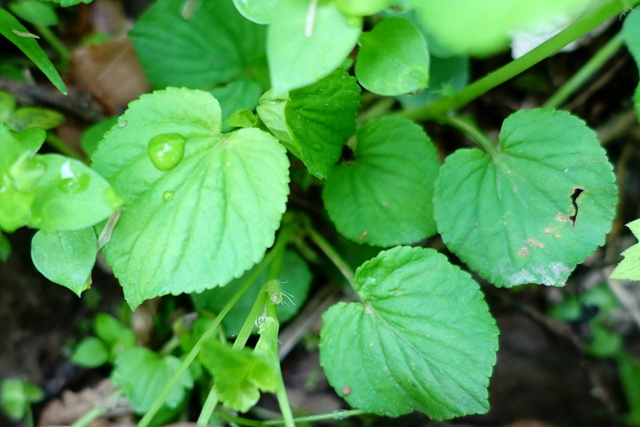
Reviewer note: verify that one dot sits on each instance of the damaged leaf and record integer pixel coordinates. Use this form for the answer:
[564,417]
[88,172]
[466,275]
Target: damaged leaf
[533,209]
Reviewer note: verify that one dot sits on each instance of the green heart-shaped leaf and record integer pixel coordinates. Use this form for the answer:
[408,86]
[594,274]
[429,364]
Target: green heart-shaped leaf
[313,122]
[202,221]
[393,58]
[384,197]
[421,338]
[535,208]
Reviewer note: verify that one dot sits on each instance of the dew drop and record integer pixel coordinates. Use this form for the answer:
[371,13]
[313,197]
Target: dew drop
[72,182]
[121,122]
[167,196]
[166,150]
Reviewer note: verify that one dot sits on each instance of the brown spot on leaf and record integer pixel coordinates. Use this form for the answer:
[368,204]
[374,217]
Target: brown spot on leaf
[548,230]
[523,252]
[346,390]
[363,235]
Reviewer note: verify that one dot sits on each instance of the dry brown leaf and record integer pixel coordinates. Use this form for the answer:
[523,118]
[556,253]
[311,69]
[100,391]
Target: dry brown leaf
[72,406]
[111,72]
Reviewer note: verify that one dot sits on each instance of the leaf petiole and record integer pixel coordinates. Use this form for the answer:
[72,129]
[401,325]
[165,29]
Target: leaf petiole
[333,255]
[573,32]
[472,131]
[281,241]
[585,72]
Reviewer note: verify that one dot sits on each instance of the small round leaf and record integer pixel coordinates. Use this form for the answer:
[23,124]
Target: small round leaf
[393,58]
[384,197]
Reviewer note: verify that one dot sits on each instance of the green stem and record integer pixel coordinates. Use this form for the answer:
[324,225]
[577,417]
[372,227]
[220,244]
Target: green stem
[250,321]
[282,239]
[63,148]
[380,108]
[89,417]
[281,391]
[472,131]
[586,71]
[334,256]
[208,407]
[576,30]
[338,415]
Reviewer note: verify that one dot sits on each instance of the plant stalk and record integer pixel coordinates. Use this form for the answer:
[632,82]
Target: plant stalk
[585,72]
[573,32]
[472,131]
[334,256]
[281,241]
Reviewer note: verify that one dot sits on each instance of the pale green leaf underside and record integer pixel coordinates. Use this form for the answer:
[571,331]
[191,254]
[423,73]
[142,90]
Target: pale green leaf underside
[420,339]
[393,58]
[511,217]
[384,197]
[66,257]
[206,220]
[629,267]
[306,44]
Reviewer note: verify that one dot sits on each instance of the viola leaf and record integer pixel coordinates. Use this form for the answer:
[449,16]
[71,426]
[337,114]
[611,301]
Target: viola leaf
[307,41]
[393,58]
[416,350]
[17,34]
[69,195]
[213,47]
[239,374]
[91,352]
[384,196]
[30,117]
[201,207]
[535,208]
[143,374]
[313,122]
[66,257]
[629,267]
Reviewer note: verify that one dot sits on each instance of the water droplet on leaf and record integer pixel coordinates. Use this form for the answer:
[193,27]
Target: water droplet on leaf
[166,150]
[121,122]
[167,196]
[72,182]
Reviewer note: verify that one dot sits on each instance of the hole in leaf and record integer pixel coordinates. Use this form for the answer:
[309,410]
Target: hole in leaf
[574,197]
[348,156]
